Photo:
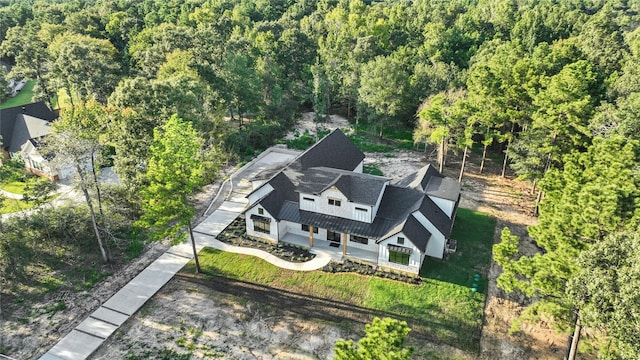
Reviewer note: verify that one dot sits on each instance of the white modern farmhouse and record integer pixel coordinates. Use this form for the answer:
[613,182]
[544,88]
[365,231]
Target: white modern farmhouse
[322,200]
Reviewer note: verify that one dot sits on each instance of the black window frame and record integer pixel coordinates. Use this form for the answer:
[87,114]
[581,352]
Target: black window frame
[359,239]
[260,211]
[397,257]
[262,227]
[335,202]
[331,235]
[400,240]
[305,227]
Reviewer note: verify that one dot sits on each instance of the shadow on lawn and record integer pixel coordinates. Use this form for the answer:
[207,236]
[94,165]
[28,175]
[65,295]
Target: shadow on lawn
[474,232]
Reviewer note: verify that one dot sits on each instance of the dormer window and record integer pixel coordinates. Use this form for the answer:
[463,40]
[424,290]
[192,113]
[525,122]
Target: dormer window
[334,202]
[400,240]
[261,211]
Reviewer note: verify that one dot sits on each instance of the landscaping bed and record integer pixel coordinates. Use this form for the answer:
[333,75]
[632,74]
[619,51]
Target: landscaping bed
[368,269]
[235,234]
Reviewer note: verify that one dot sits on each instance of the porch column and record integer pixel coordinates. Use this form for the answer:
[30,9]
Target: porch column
[310,236]
[344,244]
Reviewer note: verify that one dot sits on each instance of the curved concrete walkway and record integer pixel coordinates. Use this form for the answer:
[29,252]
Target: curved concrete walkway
[11,195]
[316,263]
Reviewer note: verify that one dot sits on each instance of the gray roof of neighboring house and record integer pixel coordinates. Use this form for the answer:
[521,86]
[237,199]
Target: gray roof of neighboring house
[13,137]
[6,66]
[27,128]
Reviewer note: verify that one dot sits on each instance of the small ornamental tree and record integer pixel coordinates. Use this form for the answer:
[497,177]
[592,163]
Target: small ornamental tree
[174,171]
[384,340]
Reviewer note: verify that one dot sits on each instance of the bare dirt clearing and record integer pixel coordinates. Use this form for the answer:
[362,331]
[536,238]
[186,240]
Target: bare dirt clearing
[195,318]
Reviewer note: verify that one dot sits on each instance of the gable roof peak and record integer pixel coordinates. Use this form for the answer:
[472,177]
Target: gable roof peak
[335,151]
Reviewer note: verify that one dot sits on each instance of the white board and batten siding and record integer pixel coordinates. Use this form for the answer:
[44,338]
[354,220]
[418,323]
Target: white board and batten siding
[273,228]
[435,246]
[320,204]
[296,229]
[415,259]
[370,246]
[445,205]
[257,195]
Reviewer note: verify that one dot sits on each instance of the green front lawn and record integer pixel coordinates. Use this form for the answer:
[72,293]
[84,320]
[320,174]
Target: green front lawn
[12,205]
[442,308]
[22,98]
[15,187]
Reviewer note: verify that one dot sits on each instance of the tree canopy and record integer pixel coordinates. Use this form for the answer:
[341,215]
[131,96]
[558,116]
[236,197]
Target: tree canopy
[384,340]
[552,86]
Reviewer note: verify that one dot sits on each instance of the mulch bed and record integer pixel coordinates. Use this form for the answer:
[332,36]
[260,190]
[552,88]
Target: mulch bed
[235,234]
[349,265]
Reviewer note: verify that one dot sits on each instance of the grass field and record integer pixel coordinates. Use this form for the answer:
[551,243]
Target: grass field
[474,232]
[16,187]
[13,205]
[443,308]
[24,96]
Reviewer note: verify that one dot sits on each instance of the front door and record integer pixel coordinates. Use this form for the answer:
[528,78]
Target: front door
[334,238]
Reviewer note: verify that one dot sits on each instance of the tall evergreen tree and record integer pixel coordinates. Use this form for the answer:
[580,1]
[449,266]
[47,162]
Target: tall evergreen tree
[595,194]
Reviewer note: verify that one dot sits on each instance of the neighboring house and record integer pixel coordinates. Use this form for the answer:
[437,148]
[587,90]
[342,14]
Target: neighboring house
[22,129]
[322,200]
[13,86]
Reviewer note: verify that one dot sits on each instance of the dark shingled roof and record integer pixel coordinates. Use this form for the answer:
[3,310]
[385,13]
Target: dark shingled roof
[290,212]
[283,190]
[418,235]
[357,187]
[444,188]
[436,216]
[398,203]
[432,183]
[419,179]
[335,151]
[14,137]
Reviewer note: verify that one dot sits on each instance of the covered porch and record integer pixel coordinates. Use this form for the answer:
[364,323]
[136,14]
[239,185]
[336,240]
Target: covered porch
[323,247]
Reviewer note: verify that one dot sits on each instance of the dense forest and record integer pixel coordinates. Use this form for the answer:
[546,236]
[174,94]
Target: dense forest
[552,86]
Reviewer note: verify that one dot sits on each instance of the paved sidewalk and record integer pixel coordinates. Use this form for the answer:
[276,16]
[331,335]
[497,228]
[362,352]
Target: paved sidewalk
[89,335]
